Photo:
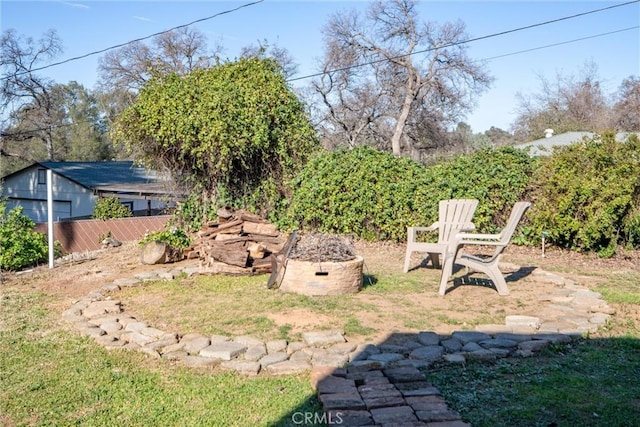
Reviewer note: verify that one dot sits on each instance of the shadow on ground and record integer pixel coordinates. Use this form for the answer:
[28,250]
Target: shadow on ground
[501,380]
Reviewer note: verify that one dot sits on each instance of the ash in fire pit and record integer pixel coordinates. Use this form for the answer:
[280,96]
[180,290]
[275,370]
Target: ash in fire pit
[323,248]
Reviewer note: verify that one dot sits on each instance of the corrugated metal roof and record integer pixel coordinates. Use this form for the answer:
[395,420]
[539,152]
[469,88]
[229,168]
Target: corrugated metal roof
[96,174]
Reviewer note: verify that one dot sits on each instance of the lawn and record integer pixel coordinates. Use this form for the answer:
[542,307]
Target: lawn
[52,376]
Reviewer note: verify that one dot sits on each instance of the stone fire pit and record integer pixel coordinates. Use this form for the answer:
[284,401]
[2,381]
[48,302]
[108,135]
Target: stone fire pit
[323,278]
[320,264]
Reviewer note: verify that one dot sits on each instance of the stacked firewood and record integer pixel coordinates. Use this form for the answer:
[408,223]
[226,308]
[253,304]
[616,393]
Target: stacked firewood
[237,243]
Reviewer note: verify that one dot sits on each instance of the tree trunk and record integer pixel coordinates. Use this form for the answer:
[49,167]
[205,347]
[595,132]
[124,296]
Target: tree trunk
[402,120]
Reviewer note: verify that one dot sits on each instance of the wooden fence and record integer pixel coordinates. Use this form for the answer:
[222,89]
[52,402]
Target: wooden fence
[85,235]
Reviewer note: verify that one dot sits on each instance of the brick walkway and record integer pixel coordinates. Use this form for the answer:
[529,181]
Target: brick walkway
[382,397]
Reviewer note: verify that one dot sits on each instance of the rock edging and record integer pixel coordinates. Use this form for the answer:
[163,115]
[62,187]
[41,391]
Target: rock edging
[357,384]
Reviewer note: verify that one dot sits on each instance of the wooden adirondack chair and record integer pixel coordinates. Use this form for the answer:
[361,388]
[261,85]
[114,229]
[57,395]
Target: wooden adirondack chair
[453,216]
[489,265]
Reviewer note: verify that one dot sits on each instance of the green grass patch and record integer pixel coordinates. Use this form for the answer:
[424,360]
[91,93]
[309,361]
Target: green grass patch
[54,377]
[589,383]
[353,327]
[621,287]
[229,305]
[51,376]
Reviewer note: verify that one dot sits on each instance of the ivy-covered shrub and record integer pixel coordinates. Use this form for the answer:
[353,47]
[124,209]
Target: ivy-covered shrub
[20,246]
[375,195]
[586,196]
[110,208]
[498,178]
[363,192]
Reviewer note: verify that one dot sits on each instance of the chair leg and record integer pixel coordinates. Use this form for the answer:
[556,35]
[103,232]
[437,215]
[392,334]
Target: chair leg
[447,269]
[407,260]
[435,259]
[498,280]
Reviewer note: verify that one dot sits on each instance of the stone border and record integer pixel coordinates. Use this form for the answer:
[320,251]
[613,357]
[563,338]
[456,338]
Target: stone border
[572,311]
[357,384]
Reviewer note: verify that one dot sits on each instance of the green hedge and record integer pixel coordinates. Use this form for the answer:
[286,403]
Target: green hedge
[375,195]
[110,208]
[586,196]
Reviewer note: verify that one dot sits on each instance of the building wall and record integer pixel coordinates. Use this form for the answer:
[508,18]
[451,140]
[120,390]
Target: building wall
[70,200]
[29,190]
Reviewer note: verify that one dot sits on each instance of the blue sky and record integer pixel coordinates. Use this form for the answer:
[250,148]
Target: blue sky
[87,26]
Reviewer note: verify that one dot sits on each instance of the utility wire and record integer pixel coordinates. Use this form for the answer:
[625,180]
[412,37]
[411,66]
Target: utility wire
[363,64]
[133,41]
[475,39]
[561,43]
[23,132]
[339,69]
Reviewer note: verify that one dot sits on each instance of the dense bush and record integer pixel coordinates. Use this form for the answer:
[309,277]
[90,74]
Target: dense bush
[110,208]
[363,192]
[498,178]
[20,246]
[230,134]
[587,195]
[375,195]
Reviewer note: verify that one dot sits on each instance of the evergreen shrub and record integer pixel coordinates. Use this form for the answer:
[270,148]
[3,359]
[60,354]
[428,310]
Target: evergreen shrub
[586,196]
[20,245]
[110,208]
[375,195]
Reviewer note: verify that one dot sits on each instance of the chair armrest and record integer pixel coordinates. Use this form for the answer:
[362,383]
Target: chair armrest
[478,239]
[468,227]
[432,227]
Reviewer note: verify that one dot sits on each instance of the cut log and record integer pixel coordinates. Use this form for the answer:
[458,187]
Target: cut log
[228,238]
[154,253]
[256,250]
[249,217]
[234,226]
[260,228]
[239,240]
[229,254]
[224,213]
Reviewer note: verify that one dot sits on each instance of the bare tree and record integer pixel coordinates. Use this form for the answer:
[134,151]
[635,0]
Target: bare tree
[27,99]
[265,49]
[130,67]
[382,70]
[568,103]
[124,71]
[627,106]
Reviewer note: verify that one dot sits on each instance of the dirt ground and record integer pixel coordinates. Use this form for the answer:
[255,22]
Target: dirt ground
[69,281]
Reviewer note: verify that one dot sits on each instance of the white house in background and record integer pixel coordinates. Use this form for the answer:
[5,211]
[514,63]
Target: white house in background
[78,185]
[544,146]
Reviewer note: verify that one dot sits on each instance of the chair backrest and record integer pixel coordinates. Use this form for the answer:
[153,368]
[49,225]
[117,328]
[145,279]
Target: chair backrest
[453,215]
[517,212]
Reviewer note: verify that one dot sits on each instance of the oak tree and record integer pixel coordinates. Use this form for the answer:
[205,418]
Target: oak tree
[567,103]
[385,70]
[627,105]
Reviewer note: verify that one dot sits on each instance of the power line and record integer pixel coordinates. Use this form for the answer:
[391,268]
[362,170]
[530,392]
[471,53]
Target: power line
[475,39]
[24,132]
[75,58]
[371,62]
[562,43]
